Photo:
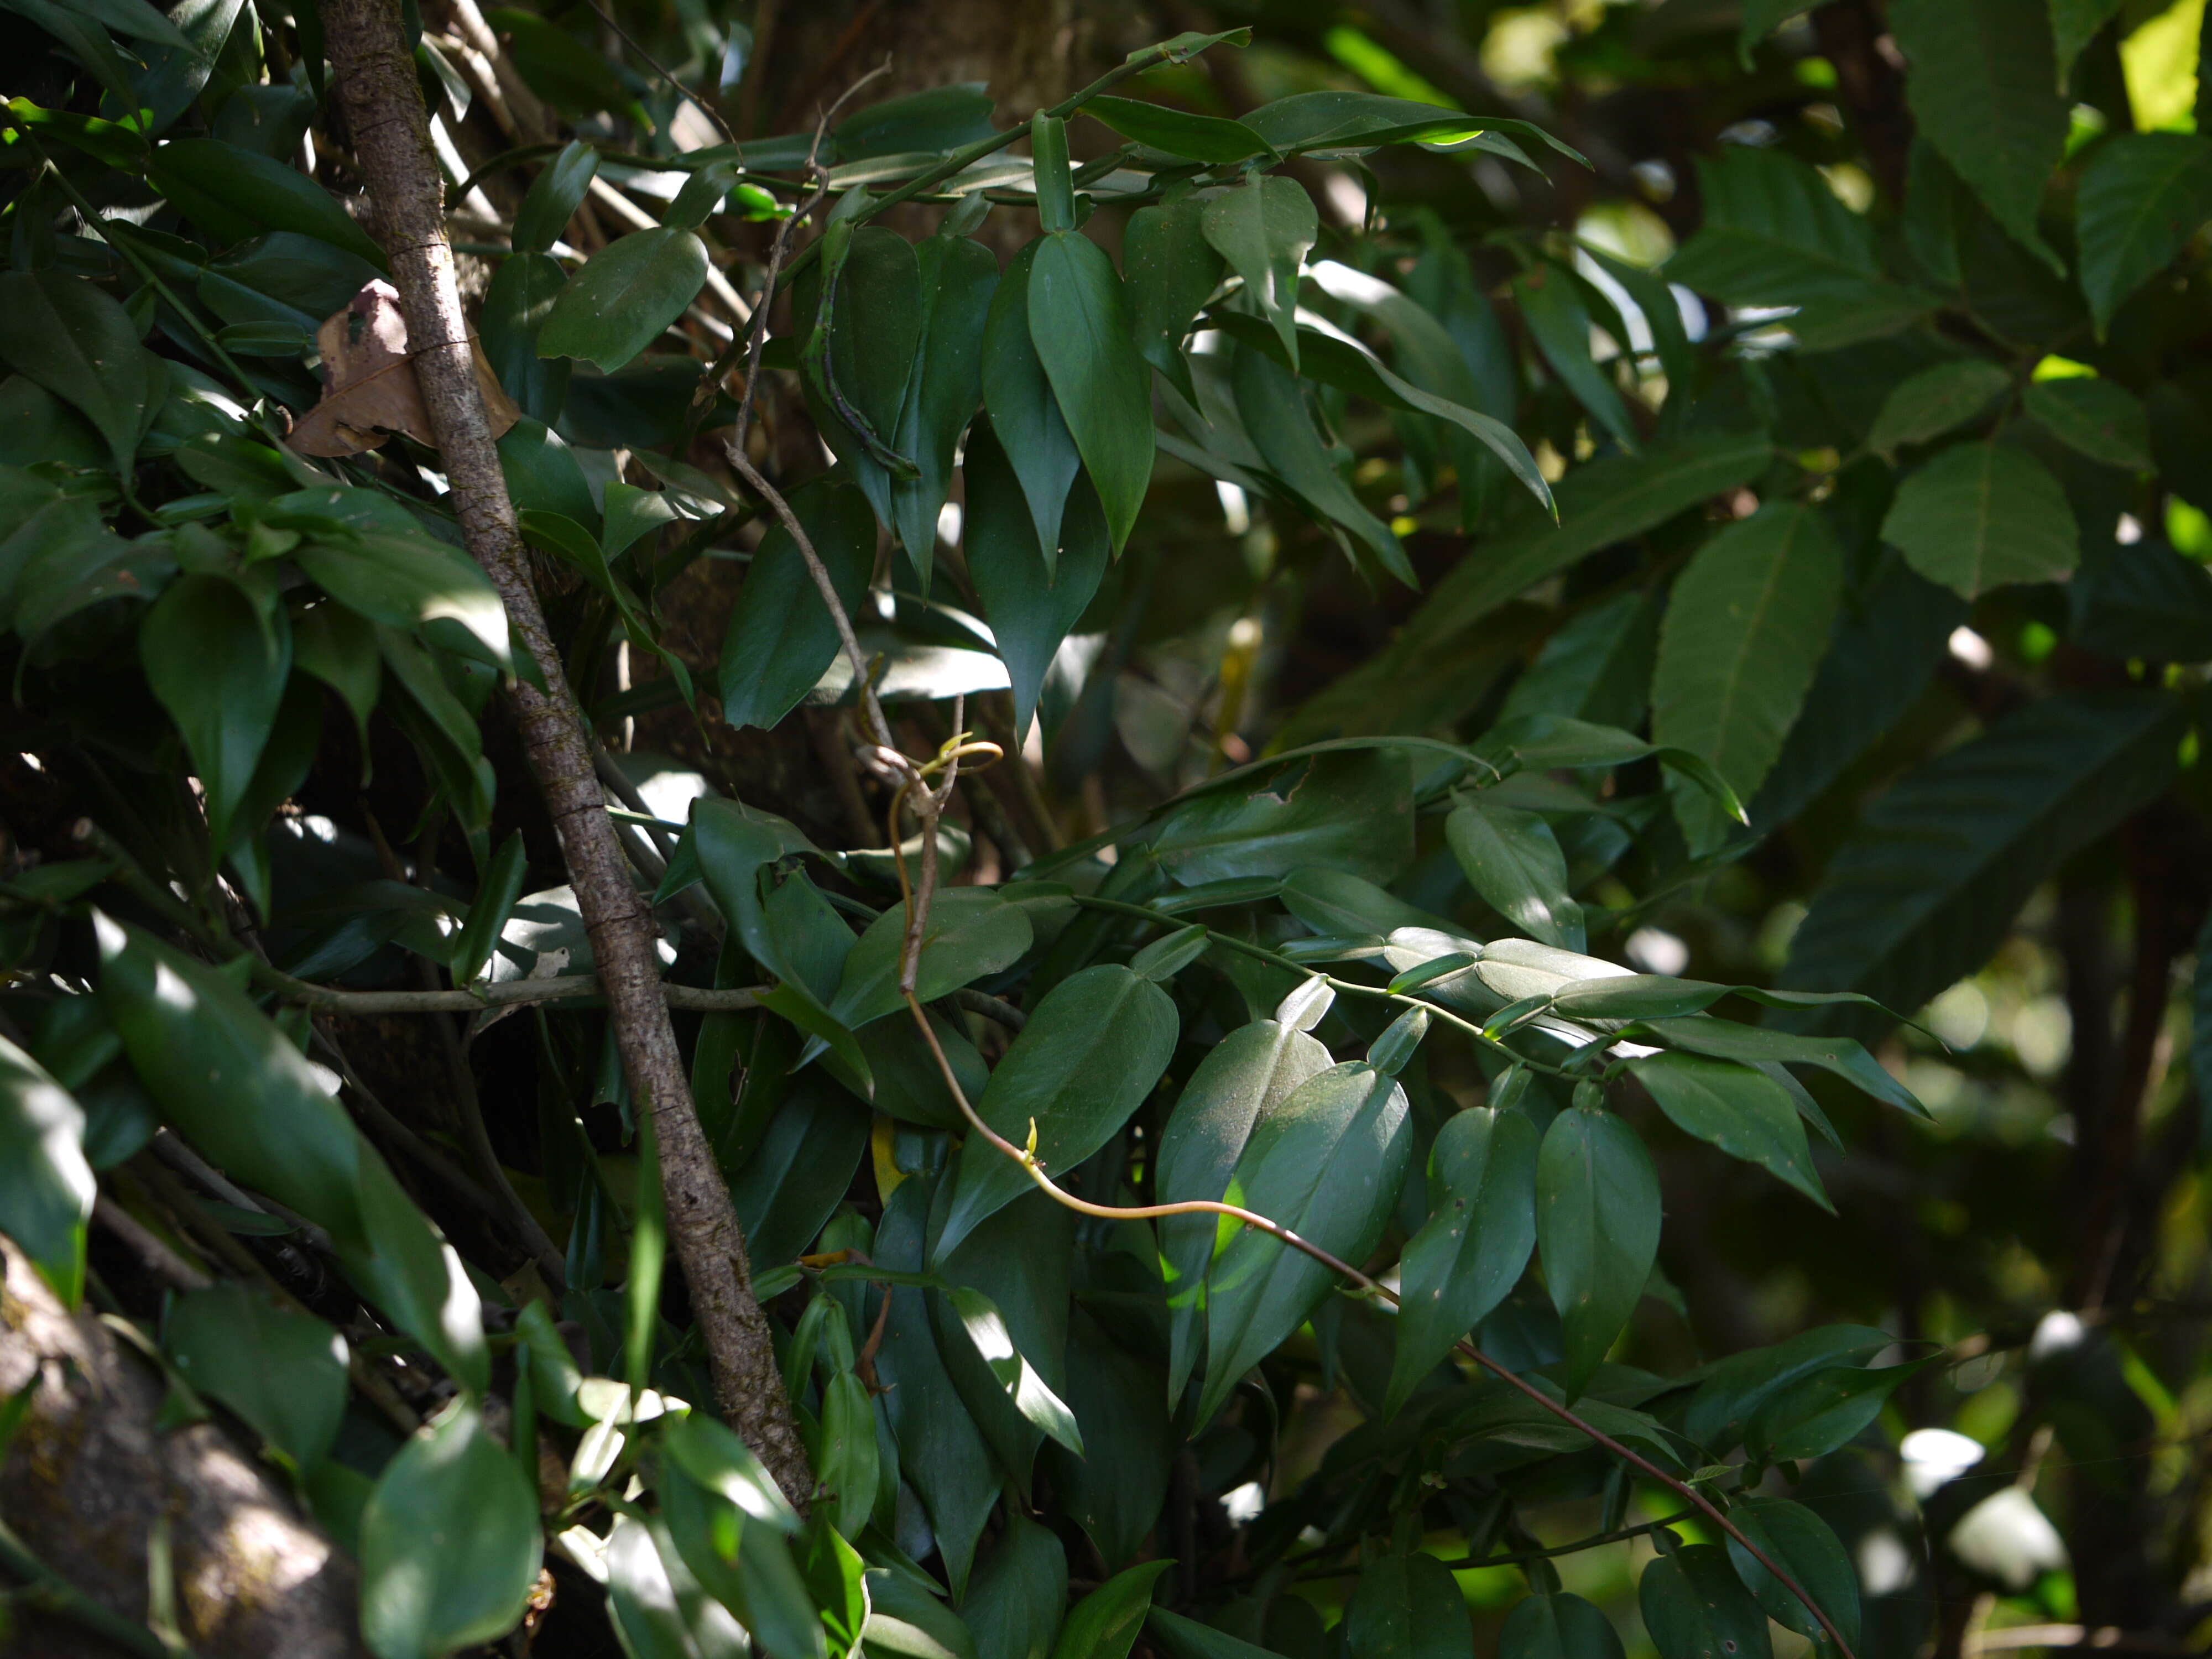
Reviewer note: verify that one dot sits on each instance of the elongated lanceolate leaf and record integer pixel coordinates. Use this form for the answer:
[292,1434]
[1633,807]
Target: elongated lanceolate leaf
[1024,411]
[1745,1113]
[1597,1224]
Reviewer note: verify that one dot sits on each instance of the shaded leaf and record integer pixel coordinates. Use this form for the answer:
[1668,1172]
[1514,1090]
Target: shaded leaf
[1981,516]
[622,298]
[1745,1113]
[1597,1223]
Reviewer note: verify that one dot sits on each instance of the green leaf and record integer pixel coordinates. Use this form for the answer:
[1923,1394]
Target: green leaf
[1468,1257]
[1812,1416]
[2074,23]
[1352,123]
[1327,1164]
[1513,860]
[1806,1547]
[1090,1053]
[624,297]
[501,886]
[1024,409]
[656,1601]
[849,1466]
[1551,306]
[232,193]
[1942,861]
[1120,1403]
[408,582]
[1407,1607]
[1932,402]
[1981,516]
[1019,1594]
[78,343]
[1774,234]
[2097,419]
[516,303]
[791,1183]
[283,1371]
[1765,1048]
[46,1187]
[1272,407]
[1245,1077]
[972,932]
[1032,604]
[1186,1638]
[858,368]
[2143,599]
[1105,1624]
[449,1542]
[1982,87]
[1695,1608]
[1597,1224]
[711,1454]
[1348,812]
[1169,272]
[2142,197]
[959,278]
[1747,1114]
[1736,1387]
[941,1453]
[781,636]
[1079,326]
[544,475]
[1746,627]
[235,1087]
[1208,138]
[1557,1625]
[1265,229]
[218,669]
[987,1330]
[553,197]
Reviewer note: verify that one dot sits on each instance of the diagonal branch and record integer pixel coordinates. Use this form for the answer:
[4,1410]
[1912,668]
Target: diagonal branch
[383,103]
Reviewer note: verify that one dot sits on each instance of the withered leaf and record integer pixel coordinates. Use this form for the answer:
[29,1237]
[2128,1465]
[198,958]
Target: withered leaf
[369,388]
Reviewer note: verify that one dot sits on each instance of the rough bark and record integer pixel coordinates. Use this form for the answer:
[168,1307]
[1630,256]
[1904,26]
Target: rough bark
[86,1479]
[383,104]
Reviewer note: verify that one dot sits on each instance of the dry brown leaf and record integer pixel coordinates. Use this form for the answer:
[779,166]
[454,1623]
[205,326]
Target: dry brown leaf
[369,389]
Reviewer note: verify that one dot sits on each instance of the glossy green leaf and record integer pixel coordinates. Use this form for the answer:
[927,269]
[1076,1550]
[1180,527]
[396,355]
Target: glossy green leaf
[2097,419]
[958,280]
[1984,89]
[79,344]
[231,1083]
[986,1329]
[1694,1607]
[656,1603]
[792,1181]
[46,1187]
[1734,1387]
[231,192]
[282,1370]
[1597,1224]
[972,932]
[1079,325]
[553,197]
[1765,1047]
[1513,860]
[905,1620]
[1272,407]
[1105,1624]
[1943,860]
[1407,1607]
[501,886]
[1327,1164]
[1208,138]
[1243,1078]
[781,636]
[1090,1053]
[1120,1401]
[1264,229]
[850,1466]
[1019,1594]
[1805,1546]
[2142,196]
[1032,604]
[1470,1254]
[624,297]
[1747,1114]
[516,304]
[1773,233]
[1169,272]
[1557,1626]
[1351,122]
[449,1542]
[1020,1260]
[1559,322]
[1350,812]
[1812,1416]
[219,668]
[1930,403]
[858,368]
[1024,409]
[1186,1638]
[1746,626]
[1982,516]
[408,582]
[712,1454]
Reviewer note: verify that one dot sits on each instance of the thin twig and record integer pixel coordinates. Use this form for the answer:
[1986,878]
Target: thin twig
[1028,1161]
[498,993]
